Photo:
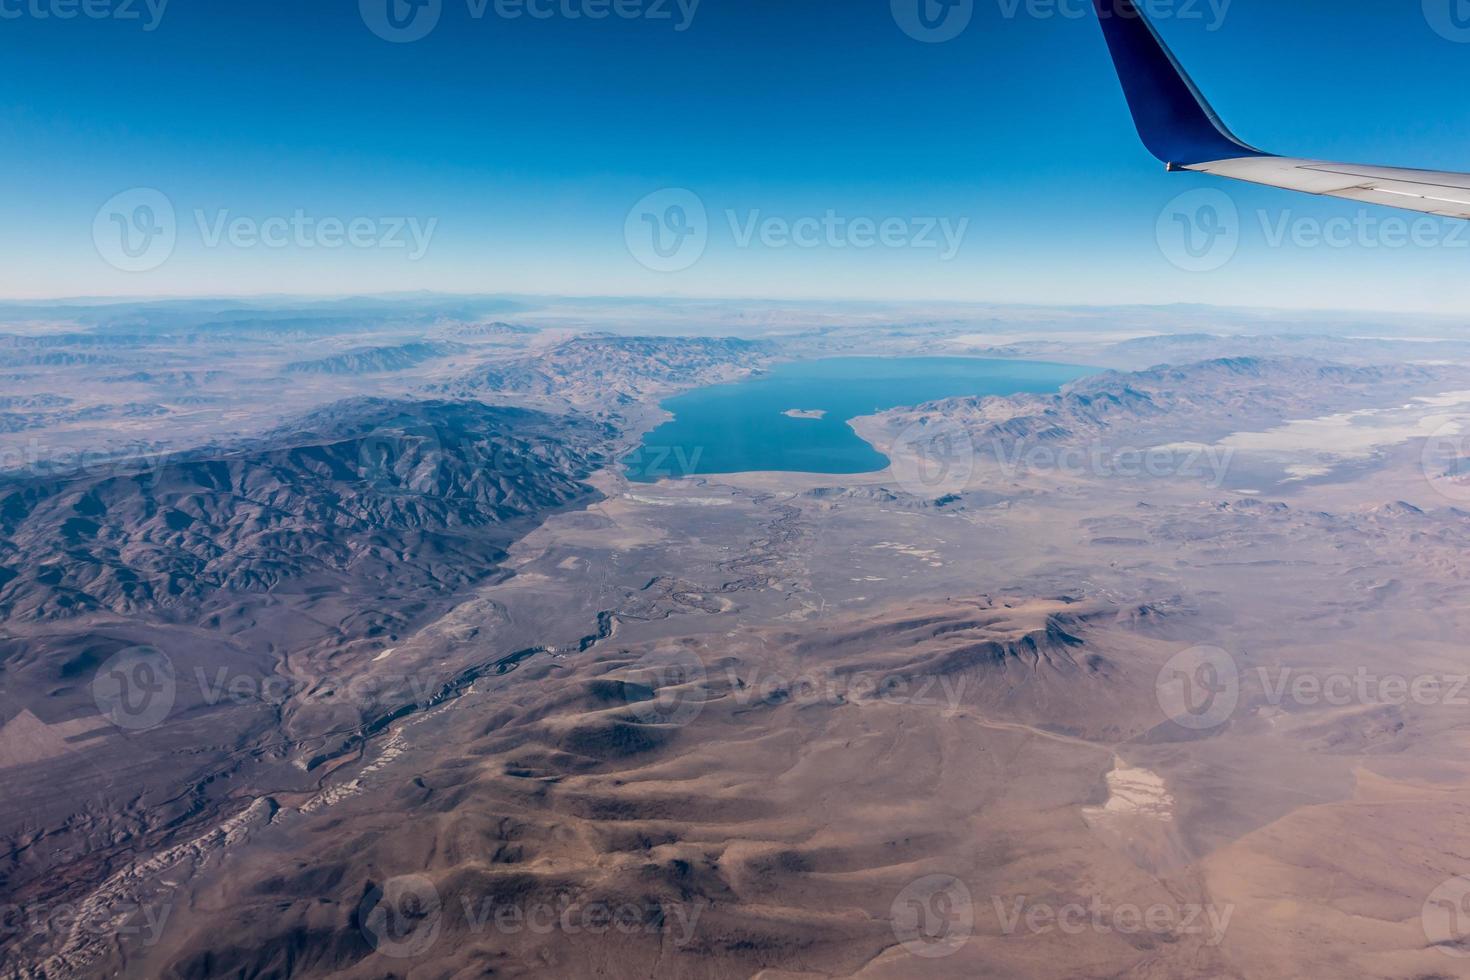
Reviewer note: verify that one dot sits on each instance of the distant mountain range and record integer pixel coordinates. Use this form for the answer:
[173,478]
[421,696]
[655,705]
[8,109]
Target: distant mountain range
[377,360]
[400,494]
[600,367]
[1221,395]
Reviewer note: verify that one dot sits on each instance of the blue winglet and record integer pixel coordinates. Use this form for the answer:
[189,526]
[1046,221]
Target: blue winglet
[1173,119]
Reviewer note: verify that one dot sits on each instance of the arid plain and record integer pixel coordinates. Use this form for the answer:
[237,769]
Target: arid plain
[1159,676]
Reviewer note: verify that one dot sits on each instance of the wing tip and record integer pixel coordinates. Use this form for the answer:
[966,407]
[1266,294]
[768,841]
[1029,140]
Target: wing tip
[1173,119]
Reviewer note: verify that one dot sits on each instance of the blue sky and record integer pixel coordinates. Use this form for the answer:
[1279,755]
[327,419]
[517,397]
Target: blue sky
[509,151]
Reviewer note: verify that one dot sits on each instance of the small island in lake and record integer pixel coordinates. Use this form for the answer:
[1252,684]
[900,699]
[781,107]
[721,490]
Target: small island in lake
[805,413]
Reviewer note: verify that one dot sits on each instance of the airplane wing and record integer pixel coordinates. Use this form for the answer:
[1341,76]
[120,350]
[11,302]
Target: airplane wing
[1179,127]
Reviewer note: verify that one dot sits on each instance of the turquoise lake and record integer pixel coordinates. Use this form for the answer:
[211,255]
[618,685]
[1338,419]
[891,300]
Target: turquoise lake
[742,427]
